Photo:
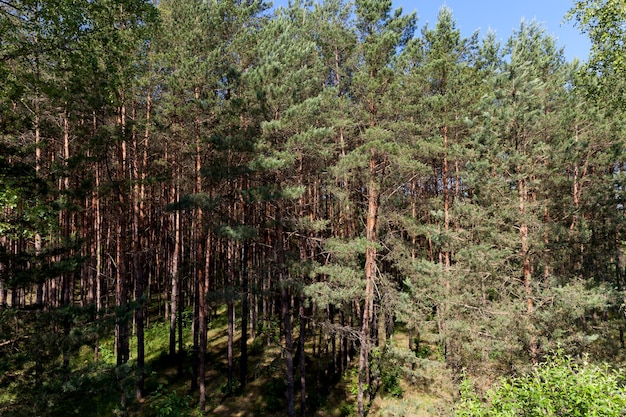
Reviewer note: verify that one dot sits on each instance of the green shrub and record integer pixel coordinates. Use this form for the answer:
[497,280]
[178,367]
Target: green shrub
[170,404]
[274,395]
[386,369]
[390,383]
[347,410]
[557,388]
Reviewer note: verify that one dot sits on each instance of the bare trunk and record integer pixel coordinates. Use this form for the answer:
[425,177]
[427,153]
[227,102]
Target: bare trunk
[37,127]
[198,228]
[303,259]
[121,292]
[203,318]
[230,305]
[67,278]
[286,315]
[243,363]
[98,238]
[301,341]
[98,224]
[526,269]
[139,273]
[370,275]
[173,311]
[123,349]
[444,254]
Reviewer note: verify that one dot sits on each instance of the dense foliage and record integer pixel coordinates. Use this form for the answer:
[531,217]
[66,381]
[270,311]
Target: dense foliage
[340,193]
[559,387]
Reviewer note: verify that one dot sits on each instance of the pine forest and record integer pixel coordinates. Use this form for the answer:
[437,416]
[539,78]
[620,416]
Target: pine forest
[225,208]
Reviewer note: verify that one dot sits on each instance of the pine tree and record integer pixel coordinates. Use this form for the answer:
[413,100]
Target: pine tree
[447,100]
[518,144]
[204,104]
[290,79]
[368,157]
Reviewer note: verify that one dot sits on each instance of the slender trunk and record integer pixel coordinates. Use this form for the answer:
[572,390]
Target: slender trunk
[98,250]
[179,319]
[98,238]
[121,295]
[577,195]
[370,275]
[198,228]
[526,269]
[199,271]
[123,349]
[139,320]
[303,259]
[413,215]
[203,318]
[446,198]
[139,273]
[546,243]
[301,341]
[445,261]
[286,315]
[3,293]
[285,311]
[173,311]
[345,349]
[243,364]
[230,302]
[36,121]
[67,219]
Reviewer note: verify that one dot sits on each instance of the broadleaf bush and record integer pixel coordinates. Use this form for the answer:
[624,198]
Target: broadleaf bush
[560,387]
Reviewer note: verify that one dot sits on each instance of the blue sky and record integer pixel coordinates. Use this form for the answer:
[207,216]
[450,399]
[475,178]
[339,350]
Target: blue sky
[504,16]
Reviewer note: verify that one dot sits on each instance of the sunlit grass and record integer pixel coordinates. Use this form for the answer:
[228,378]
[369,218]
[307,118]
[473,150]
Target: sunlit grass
[94,385]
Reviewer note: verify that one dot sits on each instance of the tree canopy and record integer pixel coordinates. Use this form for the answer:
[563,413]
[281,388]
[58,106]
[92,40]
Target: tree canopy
[341,194]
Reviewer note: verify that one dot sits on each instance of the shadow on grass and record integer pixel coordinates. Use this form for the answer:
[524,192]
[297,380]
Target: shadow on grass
[37,381]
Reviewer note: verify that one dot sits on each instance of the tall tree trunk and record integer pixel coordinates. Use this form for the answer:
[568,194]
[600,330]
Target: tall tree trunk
[98,227]
[303,259]
[230,306]
[203,319]
[195,352]
[243,363]
[526,269]
[174,273]
[98,250]
[123,349]
[370,275]
[139,273]
[445,253]
[288,329]
[179,322]
[301,342]
[67,279]
[139,315]
[285,310]
[37,123]
[198,227]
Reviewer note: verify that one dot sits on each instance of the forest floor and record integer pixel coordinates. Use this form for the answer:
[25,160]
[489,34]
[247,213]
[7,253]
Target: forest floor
[264,395]
[94,388]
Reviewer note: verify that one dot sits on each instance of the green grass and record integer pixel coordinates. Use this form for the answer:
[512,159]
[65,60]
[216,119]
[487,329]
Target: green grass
[97,389]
